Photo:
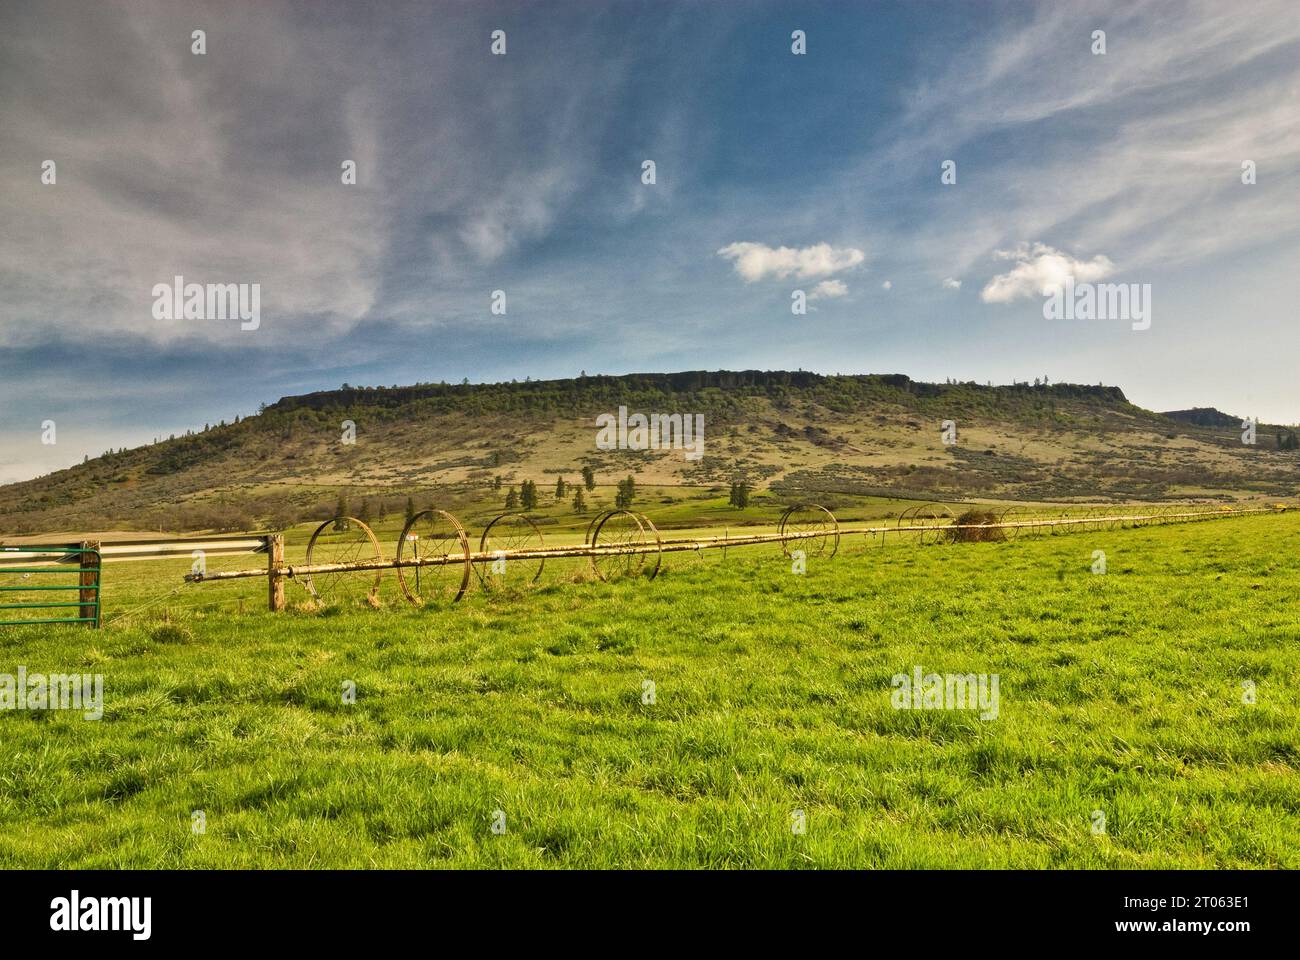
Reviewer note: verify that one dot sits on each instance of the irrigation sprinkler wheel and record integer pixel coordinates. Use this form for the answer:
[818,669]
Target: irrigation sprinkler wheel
[892,525]
[908,520]
[618,530]
[916,517]
[810,528]
[659,554]
[428,534]
[355,543]
[1009,532]
[931,515]
[594,523]
[510,532]
[1089,517]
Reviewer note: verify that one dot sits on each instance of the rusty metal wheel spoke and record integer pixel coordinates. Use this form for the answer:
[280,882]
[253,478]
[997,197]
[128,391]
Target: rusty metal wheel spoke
[652,536]
[618,541]
[810,528]
[433,534]
[353,544]
[1011,533]
[508,534]
[1059,526]
[932,517]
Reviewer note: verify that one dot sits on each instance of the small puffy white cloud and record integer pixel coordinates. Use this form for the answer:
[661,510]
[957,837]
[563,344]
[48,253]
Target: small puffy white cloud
[1040,270]
[950,284]
[828,290]
[887,285]
[757,261]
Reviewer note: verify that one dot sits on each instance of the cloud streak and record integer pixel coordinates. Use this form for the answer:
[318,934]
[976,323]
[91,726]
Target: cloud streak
[829,290]
[758,261]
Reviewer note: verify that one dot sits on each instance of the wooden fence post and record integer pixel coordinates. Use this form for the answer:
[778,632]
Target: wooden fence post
[274,580]
[91,608]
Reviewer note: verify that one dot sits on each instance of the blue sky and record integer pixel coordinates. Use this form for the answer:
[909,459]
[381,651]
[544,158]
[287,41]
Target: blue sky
[522,173]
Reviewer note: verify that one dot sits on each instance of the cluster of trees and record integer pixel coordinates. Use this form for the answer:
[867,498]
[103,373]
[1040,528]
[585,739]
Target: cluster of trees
[367,509]
[364,512]
[739,494]
[526,497]
[1038,382]
[626,493]
[1287,441]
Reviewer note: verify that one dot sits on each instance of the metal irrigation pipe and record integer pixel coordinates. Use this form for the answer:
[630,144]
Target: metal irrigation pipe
[303,570]
[684,544]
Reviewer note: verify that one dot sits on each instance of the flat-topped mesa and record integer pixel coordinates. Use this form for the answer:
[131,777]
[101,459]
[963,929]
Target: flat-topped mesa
[757,383]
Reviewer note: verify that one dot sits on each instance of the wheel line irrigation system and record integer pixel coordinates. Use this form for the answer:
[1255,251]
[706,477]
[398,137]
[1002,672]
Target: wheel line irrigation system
[434,558]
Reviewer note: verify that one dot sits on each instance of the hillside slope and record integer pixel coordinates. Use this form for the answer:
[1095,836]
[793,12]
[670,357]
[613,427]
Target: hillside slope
[795,434]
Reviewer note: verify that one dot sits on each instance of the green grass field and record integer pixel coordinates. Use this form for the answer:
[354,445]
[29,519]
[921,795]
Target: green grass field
[1120,693]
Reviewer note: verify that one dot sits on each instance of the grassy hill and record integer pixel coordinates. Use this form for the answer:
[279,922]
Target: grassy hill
[792,434]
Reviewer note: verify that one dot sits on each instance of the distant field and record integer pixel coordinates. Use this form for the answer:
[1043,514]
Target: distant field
[1119,693]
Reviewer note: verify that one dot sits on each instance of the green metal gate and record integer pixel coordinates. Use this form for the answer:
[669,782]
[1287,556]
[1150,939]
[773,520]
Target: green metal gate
[21,563]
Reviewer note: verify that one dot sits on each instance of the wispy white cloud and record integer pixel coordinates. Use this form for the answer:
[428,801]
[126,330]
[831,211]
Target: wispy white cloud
[226,167]
[758,261]
[1136,152]
[167,175]
[950,284]
[829,290]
